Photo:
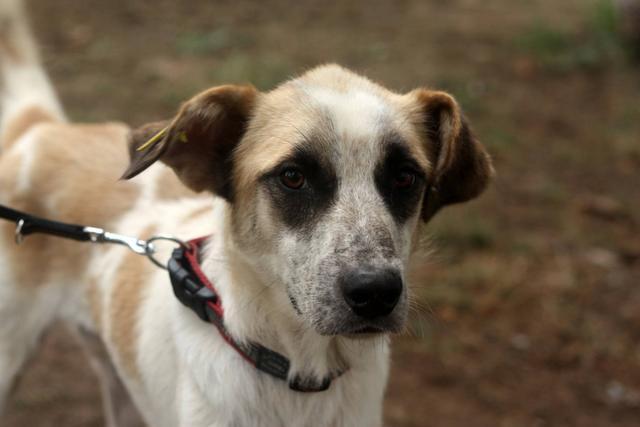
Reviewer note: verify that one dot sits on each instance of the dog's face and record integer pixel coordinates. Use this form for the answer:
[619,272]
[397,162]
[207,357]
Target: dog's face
[328,178]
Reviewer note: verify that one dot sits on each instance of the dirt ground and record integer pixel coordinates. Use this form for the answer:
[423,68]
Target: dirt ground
[530,303]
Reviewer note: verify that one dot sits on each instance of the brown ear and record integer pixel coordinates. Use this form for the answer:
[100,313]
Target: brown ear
[199,141]
[462,167]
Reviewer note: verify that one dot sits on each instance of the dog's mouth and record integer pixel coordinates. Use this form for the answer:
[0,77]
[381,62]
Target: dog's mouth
[351,326]
[368,330]
[361,329]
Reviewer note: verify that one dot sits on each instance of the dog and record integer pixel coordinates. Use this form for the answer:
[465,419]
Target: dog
[313,195]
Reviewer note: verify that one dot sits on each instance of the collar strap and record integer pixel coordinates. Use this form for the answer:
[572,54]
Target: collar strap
[195,291]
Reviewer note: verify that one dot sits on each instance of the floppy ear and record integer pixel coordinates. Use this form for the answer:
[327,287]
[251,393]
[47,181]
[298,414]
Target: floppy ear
[461,166]
[198,143]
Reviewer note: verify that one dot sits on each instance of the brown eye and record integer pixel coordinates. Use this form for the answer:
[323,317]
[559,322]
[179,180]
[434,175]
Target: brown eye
[292,178]
[404,180]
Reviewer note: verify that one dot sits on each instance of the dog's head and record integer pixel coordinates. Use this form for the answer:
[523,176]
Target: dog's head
[328,178]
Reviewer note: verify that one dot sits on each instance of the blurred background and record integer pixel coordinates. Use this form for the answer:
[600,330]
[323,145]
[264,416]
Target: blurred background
[531,301]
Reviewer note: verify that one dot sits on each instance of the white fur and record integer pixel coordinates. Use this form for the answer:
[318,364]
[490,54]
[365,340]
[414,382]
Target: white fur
[356,113]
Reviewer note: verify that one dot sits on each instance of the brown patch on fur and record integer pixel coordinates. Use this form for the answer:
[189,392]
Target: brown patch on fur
[340,79]
[124,306]
[21,123]
[73,177]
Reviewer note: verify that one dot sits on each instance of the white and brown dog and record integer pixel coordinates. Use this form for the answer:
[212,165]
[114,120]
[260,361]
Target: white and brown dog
[314,195]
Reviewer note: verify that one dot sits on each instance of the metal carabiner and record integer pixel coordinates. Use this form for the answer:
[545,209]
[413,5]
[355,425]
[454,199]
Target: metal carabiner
[139,246]
[151,249]
[98,235]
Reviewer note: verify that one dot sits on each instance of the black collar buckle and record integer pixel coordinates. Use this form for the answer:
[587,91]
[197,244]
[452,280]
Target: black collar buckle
[186,286]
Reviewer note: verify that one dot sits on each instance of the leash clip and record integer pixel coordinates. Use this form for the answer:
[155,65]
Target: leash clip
[98,235]
[19,237]
[150,250]
[138,246]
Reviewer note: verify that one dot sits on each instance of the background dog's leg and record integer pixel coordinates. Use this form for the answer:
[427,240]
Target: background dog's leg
[119,409]
[25,315]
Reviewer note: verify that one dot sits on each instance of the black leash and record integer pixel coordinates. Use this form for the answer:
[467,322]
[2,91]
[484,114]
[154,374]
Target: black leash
[190,286]
[28,224]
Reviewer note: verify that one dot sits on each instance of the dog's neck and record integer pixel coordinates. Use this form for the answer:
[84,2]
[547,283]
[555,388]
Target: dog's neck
[257,309]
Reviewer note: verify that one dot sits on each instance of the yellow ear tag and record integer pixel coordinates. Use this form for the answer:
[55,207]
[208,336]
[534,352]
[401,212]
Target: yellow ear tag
[155,138]
[183,137]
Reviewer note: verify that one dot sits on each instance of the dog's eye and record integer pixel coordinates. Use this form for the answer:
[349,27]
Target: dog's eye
[292,178]
[404,179]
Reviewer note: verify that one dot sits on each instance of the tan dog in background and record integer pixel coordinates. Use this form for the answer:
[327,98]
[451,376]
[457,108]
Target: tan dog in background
[320,187]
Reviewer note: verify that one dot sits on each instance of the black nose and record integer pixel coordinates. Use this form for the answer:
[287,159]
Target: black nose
[371,292]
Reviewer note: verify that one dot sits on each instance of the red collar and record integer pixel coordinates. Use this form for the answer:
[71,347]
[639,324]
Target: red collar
[192,287]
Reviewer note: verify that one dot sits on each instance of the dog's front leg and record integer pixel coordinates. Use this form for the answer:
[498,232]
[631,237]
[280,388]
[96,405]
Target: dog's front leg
[119,409]
[25,314]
